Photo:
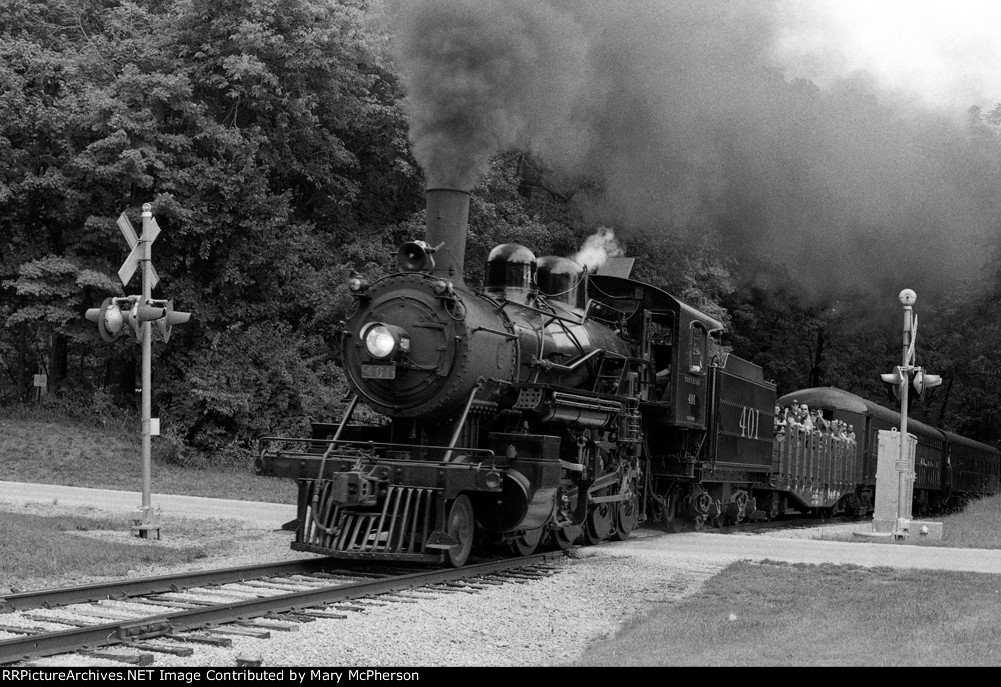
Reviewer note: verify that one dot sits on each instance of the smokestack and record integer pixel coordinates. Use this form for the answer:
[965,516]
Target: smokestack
[447,224]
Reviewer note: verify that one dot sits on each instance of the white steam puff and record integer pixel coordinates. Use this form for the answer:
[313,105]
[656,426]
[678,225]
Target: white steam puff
[598,248]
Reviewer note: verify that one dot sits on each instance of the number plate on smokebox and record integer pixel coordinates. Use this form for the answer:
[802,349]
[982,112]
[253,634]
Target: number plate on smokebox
[378,371]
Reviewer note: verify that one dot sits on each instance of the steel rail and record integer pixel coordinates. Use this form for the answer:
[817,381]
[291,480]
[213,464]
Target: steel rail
[118,632]
[45,598]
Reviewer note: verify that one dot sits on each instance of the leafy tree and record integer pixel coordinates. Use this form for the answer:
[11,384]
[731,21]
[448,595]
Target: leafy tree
[260,132]
[49,294]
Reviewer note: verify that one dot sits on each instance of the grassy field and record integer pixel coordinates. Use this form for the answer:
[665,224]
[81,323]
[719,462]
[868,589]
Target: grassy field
[37,549]
[774,614]
[36,448]
[978,526]
[778,614]
[59,452]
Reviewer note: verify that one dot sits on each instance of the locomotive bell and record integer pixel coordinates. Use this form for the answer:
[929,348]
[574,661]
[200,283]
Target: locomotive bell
[415,256]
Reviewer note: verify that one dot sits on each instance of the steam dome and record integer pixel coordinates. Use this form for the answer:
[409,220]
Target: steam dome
[510,273]
[562,280]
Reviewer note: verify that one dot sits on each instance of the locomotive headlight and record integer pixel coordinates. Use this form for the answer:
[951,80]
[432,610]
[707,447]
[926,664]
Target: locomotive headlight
[492,480]
[383,341]
[379,341]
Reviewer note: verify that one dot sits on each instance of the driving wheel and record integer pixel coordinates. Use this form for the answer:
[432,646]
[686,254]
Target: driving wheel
[527,542]
[600,522]
[628,517]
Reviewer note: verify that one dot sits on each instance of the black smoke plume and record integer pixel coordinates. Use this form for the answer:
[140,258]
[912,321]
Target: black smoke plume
[682,113]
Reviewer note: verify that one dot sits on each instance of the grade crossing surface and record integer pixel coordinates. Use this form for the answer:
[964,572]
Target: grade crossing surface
[270,515]
[711,544]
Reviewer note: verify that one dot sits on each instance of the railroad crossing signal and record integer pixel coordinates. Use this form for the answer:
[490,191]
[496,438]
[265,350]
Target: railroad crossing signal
[902,377]
[135,310]
[150,232]
[138,312]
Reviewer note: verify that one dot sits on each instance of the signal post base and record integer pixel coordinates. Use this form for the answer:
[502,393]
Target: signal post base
[912,531]
[923,530]
[143,526]
[145,531]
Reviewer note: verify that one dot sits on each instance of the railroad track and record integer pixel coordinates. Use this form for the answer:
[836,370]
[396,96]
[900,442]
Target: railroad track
[117,621]
[781,523]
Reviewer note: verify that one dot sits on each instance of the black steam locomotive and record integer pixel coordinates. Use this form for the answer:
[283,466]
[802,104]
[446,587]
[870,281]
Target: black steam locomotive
[554,405]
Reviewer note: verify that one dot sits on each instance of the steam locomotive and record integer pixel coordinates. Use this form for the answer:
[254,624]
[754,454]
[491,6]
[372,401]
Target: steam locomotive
[556,404]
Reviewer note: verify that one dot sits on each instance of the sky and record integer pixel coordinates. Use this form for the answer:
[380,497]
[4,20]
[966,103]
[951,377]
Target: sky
[827,135]
[946,53]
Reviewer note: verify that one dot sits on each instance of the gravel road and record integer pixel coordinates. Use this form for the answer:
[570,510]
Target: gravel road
[541,623]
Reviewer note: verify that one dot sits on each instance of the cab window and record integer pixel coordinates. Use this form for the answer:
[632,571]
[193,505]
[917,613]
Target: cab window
[698,349]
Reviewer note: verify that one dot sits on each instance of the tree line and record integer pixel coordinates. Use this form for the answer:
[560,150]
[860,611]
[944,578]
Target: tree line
[270,138]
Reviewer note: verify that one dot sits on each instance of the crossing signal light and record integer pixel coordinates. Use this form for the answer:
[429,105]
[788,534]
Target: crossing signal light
[169,319]
[922,380]
[893,380]
[918,378]
[143,311]
[115,313]
[109,318]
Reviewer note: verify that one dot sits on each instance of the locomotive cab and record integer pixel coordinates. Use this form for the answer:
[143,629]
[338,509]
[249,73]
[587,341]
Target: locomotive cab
[676,339]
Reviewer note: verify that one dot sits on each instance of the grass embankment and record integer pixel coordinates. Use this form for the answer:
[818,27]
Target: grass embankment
[978,526]
[777,614]
[774,614]
[37,548]
[74,454]
[97,454]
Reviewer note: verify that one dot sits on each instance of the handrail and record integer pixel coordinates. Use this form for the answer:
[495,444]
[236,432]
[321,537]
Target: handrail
[376,444]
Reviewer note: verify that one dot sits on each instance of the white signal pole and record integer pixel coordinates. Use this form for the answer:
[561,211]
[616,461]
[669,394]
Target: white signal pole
[907,297]
[147,374]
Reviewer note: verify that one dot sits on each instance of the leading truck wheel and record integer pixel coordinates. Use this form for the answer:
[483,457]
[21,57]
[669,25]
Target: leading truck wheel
[527,542]
[564,537]
[460,526]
